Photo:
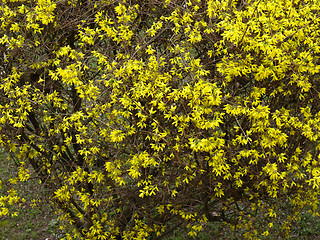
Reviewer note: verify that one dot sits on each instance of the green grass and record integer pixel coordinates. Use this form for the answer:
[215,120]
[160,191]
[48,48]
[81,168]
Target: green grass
[32,222]
[215,230]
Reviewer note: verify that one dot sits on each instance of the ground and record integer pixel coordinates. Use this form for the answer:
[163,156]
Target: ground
[33,222]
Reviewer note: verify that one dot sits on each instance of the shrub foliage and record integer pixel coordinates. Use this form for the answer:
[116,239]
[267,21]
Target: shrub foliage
[141,117]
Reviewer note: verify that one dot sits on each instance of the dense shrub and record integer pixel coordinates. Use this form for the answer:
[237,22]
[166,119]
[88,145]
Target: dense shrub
[141,117]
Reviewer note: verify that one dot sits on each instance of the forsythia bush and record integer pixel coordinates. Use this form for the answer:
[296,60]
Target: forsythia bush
[141,117]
